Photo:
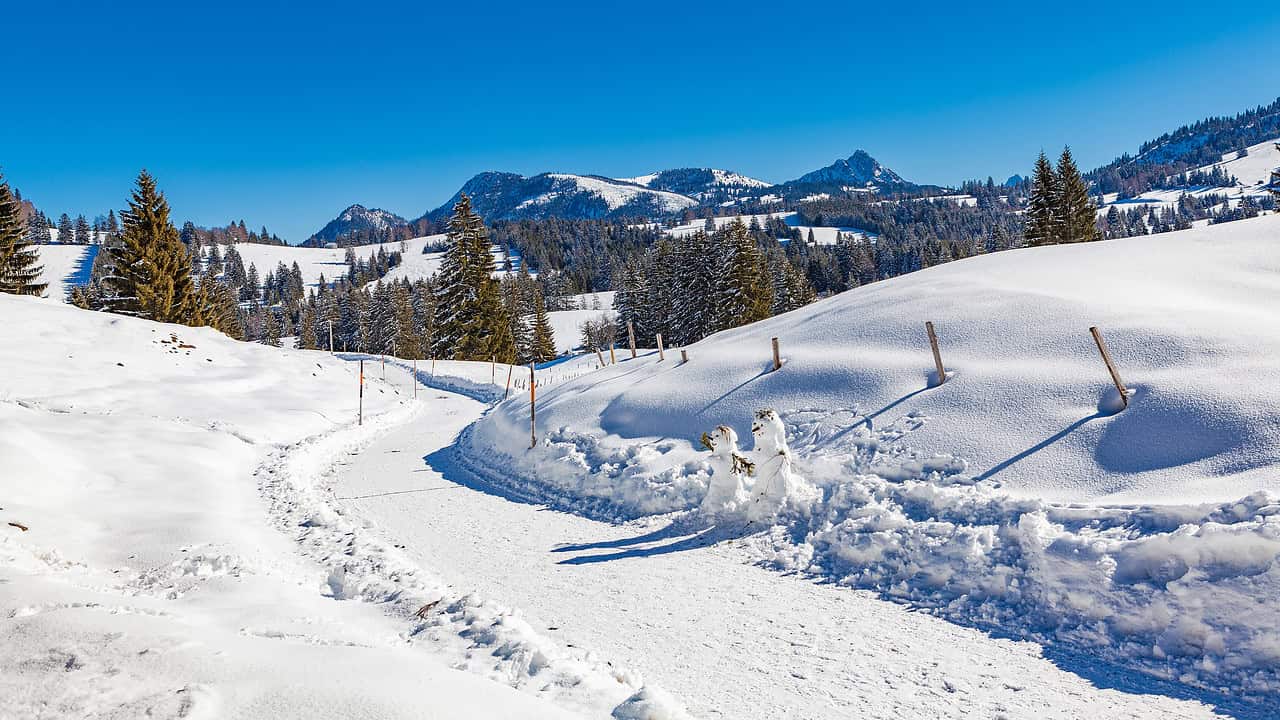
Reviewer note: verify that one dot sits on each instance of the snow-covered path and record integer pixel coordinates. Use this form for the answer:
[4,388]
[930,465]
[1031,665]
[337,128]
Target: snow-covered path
[730,639]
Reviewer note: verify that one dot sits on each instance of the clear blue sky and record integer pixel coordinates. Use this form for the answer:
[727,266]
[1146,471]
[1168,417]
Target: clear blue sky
[283,116]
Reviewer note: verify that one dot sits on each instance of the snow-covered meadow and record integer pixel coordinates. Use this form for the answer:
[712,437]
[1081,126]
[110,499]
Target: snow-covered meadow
[1013,496]
[168,548]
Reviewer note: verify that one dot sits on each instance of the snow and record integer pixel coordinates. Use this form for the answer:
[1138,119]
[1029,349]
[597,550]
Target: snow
[1011,496]
[180,559]
[1252,172]
[65,267]
[331,262]
[821,235]
[617,194]
[688,611]
[566,324]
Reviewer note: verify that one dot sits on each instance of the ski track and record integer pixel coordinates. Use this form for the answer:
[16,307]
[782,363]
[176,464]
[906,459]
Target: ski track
[695,617]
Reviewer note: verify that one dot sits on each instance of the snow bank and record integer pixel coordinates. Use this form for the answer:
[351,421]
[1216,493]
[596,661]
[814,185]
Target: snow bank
[1013,495]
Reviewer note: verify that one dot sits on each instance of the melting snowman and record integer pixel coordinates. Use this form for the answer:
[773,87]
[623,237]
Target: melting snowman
[775,483]
[727,491]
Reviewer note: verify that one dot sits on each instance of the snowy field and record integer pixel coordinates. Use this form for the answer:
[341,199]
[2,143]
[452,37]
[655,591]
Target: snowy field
[165,550]
[567,324]
[1012,496]
[65,267]
[821,235]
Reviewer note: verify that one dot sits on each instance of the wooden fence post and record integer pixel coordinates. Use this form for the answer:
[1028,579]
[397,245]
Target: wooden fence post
[415,378]
[360,417]
[684,356]
[777,356]
[937,356]
[1111,366]
[613,360]
[493,369]
[507,392]
[384,367]
[599,356]
[661,355]
[433,368]
[533,409]
[330,337]
[631,338]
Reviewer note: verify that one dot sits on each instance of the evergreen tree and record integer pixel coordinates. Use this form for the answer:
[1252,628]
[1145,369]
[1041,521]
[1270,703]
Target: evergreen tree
[743,293]
[19,271]
[1041,227]
[150,273]
[38,229]
[66,231]
[83,233]
[471,321]
[1077,216]
[544,343]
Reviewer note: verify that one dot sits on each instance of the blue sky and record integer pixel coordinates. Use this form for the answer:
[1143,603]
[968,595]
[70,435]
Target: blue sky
[283,116]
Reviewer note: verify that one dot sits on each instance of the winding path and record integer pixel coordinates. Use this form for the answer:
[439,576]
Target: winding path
[730,639]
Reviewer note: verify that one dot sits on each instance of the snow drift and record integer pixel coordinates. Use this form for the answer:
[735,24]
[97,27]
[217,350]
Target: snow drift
[1012,496]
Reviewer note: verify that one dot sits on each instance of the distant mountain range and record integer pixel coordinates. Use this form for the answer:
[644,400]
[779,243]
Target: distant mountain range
[666,193]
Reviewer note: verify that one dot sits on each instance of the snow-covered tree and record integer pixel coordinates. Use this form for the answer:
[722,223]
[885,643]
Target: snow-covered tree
[19,268]
[1041,226]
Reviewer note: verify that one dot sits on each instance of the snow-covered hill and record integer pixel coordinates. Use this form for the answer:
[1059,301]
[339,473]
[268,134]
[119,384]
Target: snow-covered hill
[1252,172]
[169,548]
[1013,495]
[507,196]
[65,267]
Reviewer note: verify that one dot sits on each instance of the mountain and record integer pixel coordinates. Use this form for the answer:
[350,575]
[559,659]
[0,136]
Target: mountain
[859,171]
[508,196]
[1192,146]
[356,225]
[706,185]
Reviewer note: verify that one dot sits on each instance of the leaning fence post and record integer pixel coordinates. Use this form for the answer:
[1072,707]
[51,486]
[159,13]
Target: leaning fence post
[613,360]
[777,357]
[661,355]
[937,356]
[507,392]
[360,416]
[1111,366]
[631,338]
[684,356]
[533,409]
[599,356]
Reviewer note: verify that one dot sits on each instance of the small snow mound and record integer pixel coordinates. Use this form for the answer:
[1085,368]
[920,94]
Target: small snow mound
[651,703]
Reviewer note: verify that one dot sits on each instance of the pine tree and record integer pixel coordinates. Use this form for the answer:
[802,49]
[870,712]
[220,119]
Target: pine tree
[83,233]
[1077,216]
[150,273]
[38,229]
[472,322]
[743,293]
[270,327]
[1042,225]
[66,231]
[19,273]
[544,342]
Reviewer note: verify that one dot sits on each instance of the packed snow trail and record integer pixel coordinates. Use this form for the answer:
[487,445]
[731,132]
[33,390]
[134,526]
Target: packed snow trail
[727,638]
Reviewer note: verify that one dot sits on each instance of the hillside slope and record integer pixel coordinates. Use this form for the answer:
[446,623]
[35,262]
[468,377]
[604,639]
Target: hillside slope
[168,547]
[1013,496]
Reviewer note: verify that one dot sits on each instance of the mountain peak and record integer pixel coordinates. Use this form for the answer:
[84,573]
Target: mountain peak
[859,170]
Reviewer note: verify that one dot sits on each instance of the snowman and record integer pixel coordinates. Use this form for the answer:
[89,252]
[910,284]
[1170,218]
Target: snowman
[727,490]
[775,483]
